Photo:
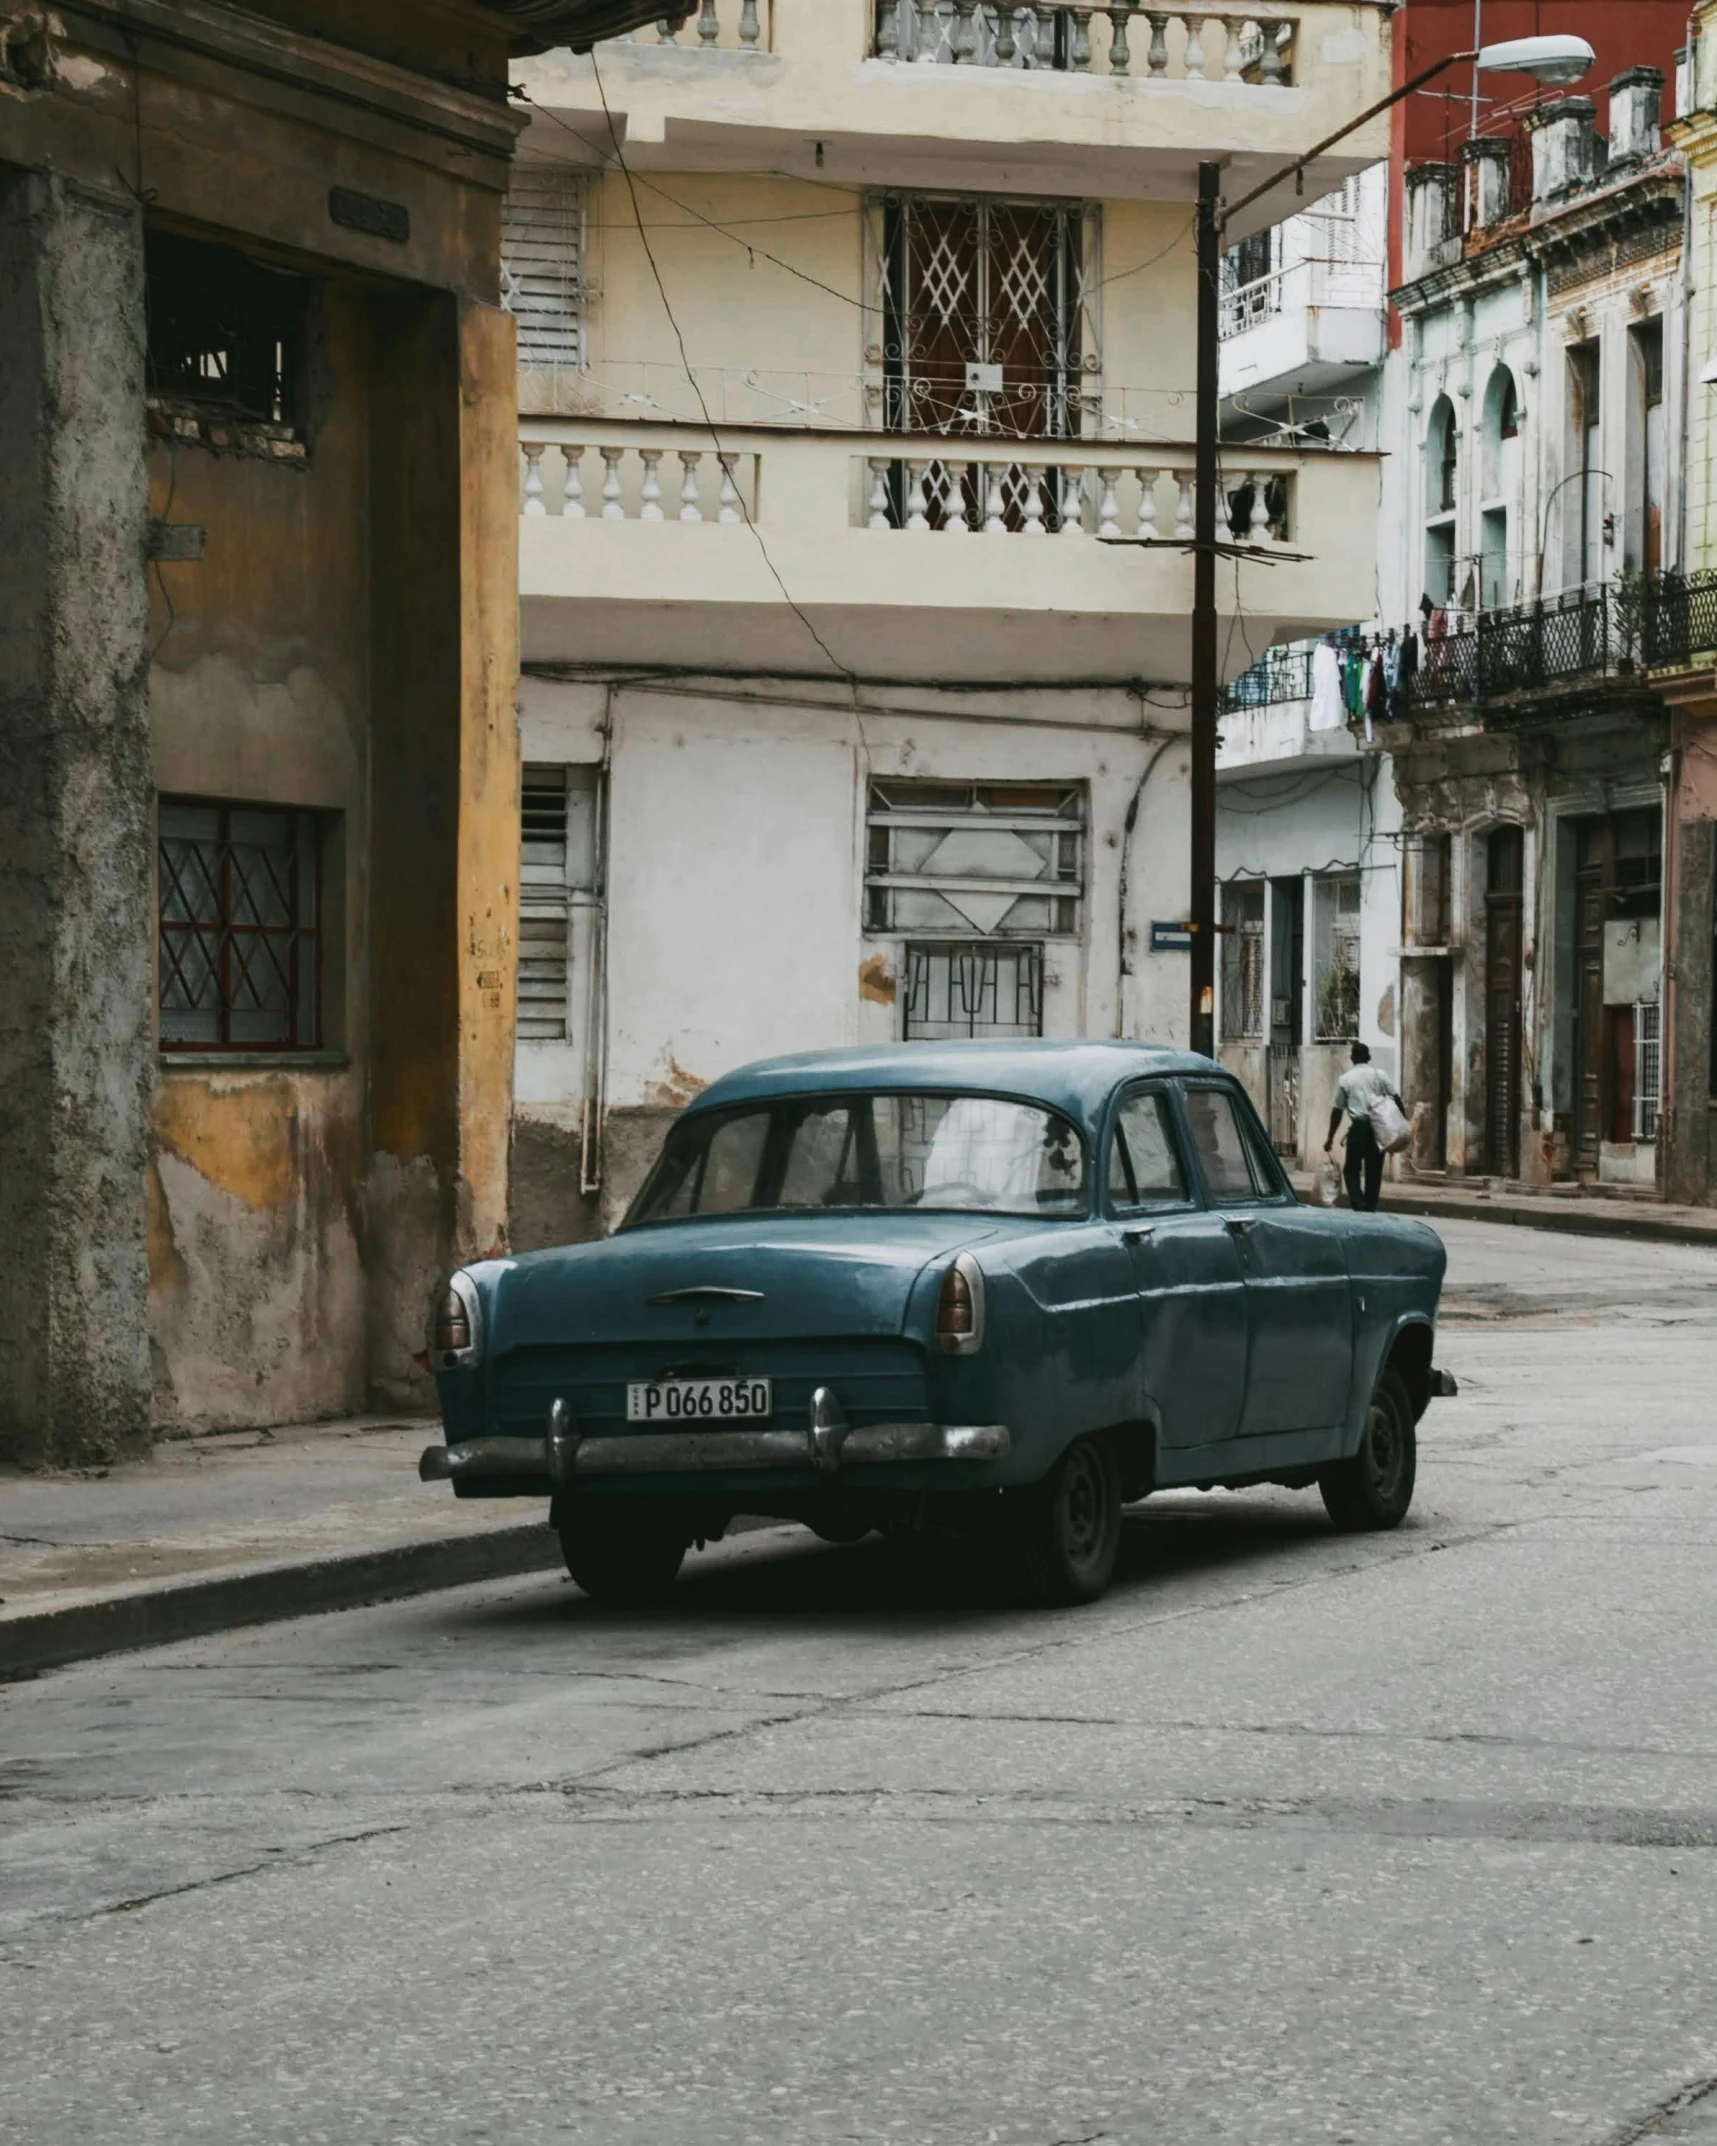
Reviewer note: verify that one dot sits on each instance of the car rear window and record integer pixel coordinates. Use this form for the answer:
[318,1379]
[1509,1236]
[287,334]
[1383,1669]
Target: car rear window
[881,1149]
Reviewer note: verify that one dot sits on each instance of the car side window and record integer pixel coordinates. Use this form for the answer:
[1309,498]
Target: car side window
[1144,1166]
[1225,1155]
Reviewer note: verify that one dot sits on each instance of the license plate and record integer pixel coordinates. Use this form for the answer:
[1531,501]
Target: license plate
[698,1401]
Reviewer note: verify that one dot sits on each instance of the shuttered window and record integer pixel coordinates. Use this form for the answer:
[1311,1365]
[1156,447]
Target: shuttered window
[543,907]
[542,266]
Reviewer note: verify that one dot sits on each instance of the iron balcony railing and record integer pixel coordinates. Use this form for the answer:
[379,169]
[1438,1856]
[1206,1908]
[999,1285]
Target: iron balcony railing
[1619,629]
[1280,674]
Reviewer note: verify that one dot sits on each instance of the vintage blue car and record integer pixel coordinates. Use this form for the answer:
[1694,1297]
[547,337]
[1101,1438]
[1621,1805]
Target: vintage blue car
[991,1289]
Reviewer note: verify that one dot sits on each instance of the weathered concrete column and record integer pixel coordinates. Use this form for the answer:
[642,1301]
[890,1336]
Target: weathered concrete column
[75,818]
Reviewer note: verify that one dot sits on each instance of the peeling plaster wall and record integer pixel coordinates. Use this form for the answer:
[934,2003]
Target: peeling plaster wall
[735,869]
[260,691]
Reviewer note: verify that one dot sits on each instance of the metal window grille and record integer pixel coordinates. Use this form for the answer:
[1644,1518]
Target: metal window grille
[989,314]
[238,927]
[544,909]
[1335,923]
[1648,1067]
[1243,963]
[974,990]
[998,860]
[225,333]
[542,266]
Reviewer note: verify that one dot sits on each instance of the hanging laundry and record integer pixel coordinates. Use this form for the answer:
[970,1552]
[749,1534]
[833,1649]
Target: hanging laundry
[1329,704]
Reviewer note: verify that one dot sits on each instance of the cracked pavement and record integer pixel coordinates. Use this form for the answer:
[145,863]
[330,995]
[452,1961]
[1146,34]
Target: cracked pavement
[1294,1838]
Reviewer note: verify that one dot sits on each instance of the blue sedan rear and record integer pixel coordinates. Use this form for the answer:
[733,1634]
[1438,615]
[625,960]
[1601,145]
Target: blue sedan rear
[995,1289]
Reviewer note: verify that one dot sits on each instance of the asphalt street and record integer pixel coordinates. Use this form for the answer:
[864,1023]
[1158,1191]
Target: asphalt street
[1294,1838]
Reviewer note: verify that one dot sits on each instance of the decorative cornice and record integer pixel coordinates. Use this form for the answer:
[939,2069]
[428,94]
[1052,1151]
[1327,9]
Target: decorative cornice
[1650,194]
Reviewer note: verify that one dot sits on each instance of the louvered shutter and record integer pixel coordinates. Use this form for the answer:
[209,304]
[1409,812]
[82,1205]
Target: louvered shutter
[542,265]
[543,907]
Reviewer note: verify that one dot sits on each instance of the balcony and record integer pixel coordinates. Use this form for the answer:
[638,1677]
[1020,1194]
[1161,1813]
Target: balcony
[1117,103]
[1314,326]
[1604,639]
[1265,717]
[912,557]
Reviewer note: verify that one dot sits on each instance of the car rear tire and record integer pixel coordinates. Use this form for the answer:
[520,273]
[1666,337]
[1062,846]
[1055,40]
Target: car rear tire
[1374,1489]
[621,1559]
[1072,1528]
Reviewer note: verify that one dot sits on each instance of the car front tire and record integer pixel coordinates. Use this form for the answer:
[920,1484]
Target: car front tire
[1072,1529]
[1374,1489]
[621,1559]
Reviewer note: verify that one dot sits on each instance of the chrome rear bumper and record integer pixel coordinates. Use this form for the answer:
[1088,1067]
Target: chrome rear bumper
[564,1455]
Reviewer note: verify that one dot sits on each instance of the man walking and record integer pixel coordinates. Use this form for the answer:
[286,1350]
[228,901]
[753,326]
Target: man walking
[1358,1088]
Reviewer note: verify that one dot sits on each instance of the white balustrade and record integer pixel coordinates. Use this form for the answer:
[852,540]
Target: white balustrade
[726,25]
[712,488]
[999,488]
[1180,43]
[534,477]
[1001,495]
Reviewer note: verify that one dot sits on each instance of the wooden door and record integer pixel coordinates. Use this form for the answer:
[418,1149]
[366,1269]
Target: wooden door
[1591,906]
[1503,930]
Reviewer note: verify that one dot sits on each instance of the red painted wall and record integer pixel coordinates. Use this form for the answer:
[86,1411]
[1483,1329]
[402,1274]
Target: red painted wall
[1431,125]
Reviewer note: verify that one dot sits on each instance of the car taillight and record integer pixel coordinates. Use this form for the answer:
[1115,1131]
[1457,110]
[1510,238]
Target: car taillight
[452,1324]
[955,1313]
[960,1308]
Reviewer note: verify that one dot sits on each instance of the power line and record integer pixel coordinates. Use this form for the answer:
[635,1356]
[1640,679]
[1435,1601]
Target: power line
[685,359]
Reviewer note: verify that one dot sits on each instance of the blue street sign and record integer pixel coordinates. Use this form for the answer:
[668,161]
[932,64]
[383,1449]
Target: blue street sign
[1171,938]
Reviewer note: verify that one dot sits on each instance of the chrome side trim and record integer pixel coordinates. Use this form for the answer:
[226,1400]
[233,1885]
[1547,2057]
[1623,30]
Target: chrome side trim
[566,1457]
[712,1290]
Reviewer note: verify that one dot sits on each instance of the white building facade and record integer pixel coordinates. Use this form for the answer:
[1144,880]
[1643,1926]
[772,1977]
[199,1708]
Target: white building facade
[856,355]
[1307,821]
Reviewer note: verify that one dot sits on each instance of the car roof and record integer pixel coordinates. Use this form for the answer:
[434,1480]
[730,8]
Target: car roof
[1077,1076]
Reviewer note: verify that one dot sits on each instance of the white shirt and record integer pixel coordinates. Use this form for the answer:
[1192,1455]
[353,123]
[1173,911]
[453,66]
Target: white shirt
[1359,1087]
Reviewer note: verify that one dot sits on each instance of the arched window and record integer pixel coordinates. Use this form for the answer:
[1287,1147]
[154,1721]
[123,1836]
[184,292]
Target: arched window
[1499,485]
[1442,484]
[1442,458]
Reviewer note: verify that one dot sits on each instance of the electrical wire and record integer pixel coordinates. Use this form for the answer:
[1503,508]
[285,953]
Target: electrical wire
[685,359]
[728,230]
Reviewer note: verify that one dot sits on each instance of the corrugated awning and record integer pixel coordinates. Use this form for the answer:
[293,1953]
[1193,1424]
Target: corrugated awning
[578,24]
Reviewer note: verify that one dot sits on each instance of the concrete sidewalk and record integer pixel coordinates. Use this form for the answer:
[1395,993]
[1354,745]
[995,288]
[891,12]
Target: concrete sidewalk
[241,1529]
[1571,1209]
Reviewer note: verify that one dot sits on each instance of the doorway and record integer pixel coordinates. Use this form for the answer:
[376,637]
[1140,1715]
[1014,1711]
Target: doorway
[1618,893]
[1287,1011]
[1504,921]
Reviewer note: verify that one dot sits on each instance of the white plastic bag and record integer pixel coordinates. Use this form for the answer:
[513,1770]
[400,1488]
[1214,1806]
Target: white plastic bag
[1389,1125]
[1328,1182]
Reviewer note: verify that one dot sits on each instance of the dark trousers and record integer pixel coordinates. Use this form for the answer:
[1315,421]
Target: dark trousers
[1363,1169]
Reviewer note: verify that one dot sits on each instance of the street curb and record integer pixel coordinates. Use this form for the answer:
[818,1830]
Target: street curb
[155,1617]
[1647,1228]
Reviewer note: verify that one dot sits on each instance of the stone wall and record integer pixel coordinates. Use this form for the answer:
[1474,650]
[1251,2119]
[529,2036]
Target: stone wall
[75,818]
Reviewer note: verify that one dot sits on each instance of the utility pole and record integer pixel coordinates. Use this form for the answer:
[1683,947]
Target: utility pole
[1201,911]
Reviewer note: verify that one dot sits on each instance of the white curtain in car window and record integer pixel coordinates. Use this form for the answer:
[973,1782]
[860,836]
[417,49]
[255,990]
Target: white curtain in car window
[998,1147]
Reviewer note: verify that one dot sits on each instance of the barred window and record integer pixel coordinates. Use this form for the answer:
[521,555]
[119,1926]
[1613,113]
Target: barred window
[973,991]
[986,860]
[239,927]
[1243,962]
[1335,930]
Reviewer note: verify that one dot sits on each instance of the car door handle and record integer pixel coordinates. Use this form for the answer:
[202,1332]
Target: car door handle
[1242,1225]
[1140,1233]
